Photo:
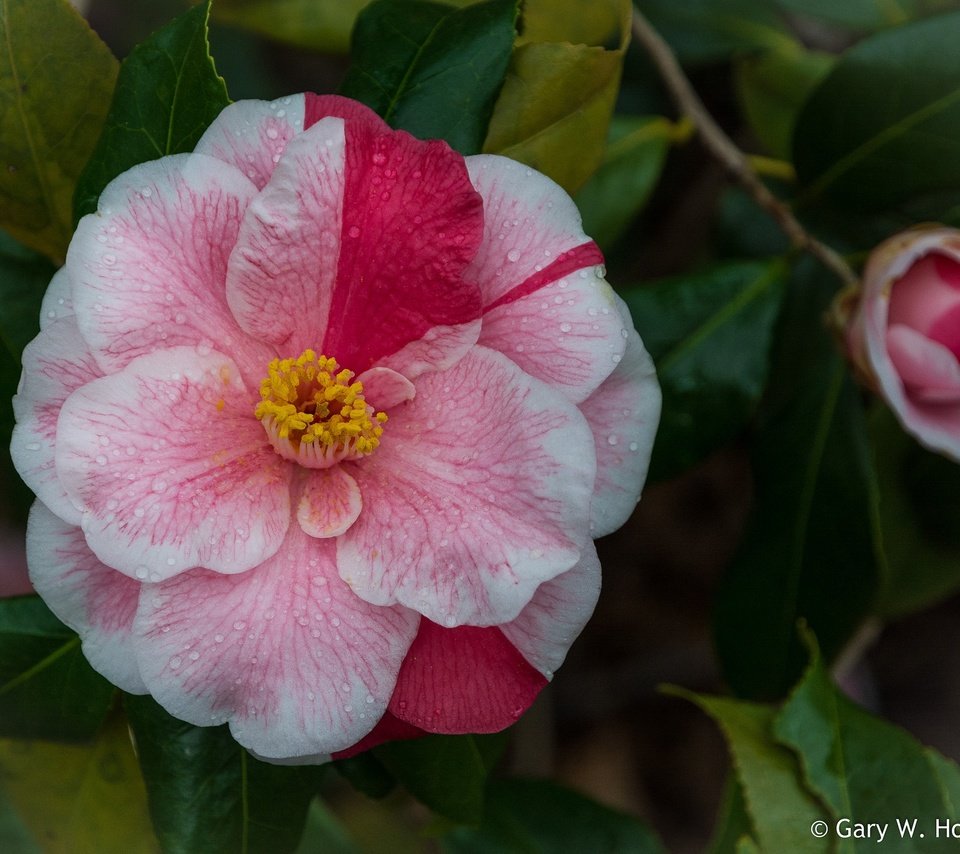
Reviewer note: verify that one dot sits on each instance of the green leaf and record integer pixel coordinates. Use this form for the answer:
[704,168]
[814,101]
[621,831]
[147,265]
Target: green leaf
[780,808]
[540,816]
[445,772]
[47,689]
[430,69]
[884,126]
[772,88]
[558,96]
[702,31]
[864,768]
[207,793]
[619,189]
[168,92]
[809,549]
[919,519]
[79,799]
[56,77]
[709,335]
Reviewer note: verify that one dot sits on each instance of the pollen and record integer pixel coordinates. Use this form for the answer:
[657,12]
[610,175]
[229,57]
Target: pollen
[315,414]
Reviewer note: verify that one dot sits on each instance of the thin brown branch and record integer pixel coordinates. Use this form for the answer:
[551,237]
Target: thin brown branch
[732,158]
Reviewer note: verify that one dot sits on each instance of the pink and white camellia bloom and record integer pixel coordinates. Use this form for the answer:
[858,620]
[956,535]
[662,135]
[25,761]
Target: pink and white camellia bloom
[905,332]
[322,422]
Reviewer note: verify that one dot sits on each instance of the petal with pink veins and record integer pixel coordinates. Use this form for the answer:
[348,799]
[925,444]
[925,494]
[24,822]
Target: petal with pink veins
[463,680]
[623,415]
[363,236]
[329,502]
[252,135]
[96,601]
[928,369]
[148,269]
[557,613]
[384,388]
[55,364]
[546,304]
[57,299]
[285,653]
[172,469]
[478,493]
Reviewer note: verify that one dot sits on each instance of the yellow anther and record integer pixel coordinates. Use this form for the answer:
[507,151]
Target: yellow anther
[314,414]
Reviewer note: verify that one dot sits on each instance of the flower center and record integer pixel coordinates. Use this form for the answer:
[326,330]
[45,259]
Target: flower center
[314,415]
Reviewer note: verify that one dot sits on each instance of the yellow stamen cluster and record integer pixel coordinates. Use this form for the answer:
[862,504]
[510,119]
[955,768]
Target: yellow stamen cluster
[314,413]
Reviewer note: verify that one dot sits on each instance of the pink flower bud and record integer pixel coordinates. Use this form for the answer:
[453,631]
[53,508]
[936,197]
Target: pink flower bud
[905,332]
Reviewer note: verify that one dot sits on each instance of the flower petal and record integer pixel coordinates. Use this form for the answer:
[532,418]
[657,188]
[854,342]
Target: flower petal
[252,135]
[478,493]
[285,653]
[546,304]
[928,369]
[171,468]
[623,414]
[363,234]
[552,621]
[329,503]
[149,268]
[99,603]
[55,364]
[462,680]
[57,299]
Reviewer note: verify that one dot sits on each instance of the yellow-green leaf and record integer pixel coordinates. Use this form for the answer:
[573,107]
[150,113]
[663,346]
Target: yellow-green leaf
[56,78]
[558,96]
[87,799]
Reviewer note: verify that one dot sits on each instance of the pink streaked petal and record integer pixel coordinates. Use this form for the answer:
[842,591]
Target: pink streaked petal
[554,618]
[329,503]
[252,135]
[623,414]
[411,225]
[928,369]
[568,333]
[388,728]
[285,653]
[317,107]
[283,268]
[384,388]
[477,494]
[171,468]
[462,680]
[55,364]
[57,299]
[96,601]
[148,270]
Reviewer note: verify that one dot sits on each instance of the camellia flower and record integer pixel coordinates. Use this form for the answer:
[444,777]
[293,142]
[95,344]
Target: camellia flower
[905,332]
[322,421]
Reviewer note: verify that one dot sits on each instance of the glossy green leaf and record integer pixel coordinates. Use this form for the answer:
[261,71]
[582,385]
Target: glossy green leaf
[79,799]
[709,335]
[558,96]
[540,816]
[430,69]
[866,769]
[773,86]
[47,689]
[636,150]
[780,808]
[445,772]
[207,793]
[919,519]
[168,92]
[56,77]
[884,126]
[809,548]
[701,31]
